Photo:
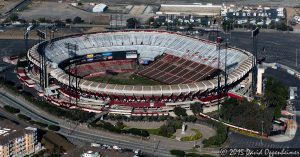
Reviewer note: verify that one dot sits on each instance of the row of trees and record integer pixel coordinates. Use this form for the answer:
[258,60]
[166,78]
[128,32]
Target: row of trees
[275,95]
[119,128]
[220,137]
[149,118]
[252,114]
[247,114]
[11,109]
[72,114]
[15,17]
[168,129]
[181,153]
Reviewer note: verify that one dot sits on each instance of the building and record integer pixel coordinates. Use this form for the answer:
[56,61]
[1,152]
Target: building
[17,140]
[99,8]
[194,10]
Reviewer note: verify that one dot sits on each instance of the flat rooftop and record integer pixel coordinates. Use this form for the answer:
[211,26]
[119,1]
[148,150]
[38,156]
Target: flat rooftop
[9,130]
[208,10]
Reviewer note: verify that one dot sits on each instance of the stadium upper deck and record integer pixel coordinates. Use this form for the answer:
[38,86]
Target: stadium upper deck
[149,45]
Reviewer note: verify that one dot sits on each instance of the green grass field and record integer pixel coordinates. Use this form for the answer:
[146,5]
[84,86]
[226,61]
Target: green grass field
[125,79]
[153,131]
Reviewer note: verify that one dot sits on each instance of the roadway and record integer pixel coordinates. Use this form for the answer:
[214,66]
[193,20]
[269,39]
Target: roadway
[82,132]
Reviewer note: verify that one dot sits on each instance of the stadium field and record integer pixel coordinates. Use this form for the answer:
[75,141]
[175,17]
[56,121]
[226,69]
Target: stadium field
[125,79]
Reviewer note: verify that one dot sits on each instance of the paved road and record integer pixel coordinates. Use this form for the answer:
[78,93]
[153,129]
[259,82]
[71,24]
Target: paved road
[83,133]
[241,141]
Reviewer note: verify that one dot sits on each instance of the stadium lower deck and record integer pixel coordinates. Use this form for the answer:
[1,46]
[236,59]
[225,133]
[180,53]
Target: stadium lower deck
[171,69]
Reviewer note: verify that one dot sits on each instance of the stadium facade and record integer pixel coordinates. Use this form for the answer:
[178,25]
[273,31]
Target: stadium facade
[186,66]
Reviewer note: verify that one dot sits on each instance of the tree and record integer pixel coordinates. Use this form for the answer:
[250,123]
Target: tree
[68,20]
[275,95]
[132,23]
[120,125]
[34,22]
[24,117]
[42,20]
[14,17]
[247,114]
[180,111]
[77,20]
[11,109]
[191,118]
[152,22]
[177,153]
[228,25]
[59,23]
[54,127]
[196,107]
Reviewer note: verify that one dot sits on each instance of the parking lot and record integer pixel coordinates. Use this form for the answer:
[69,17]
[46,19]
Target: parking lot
[279,46]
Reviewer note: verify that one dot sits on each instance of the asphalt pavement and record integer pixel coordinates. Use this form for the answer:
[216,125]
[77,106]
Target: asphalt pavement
[280,47]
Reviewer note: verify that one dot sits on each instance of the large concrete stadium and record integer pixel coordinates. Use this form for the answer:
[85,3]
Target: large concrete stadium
[186,67]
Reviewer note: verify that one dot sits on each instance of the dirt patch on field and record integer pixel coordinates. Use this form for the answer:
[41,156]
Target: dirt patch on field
[53,141]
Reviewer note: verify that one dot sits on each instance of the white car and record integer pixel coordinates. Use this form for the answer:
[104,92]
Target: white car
[116,147]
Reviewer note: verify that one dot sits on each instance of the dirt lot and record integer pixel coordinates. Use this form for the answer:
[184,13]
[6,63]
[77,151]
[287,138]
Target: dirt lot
[61,11]
[18,32]
[6,5]
[291,12]
[51,140]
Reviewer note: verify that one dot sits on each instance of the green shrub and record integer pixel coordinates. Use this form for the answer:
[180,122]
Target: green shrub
[197,155]
[139,132]
[179,111]
[167,130]
[11,109]
[43,125]
[117,129]
[219,138]
[195,137]
[24,117]
[54,127]
[178,153]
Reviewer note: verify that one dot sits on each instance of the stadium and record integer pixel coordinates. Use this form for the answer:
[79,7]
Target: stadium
[129,71]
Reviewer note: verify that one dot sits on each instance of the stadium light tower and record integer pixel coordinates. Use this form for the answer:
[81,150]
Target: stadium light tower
[225,68]
[254,34]
[219,78]
[43,72]
[297,58]
[26,35]
[72,48]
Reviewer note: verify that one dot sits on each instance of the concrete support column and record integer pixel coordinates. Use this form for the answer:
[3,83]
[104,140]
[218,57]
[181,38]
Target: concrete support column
[259,85]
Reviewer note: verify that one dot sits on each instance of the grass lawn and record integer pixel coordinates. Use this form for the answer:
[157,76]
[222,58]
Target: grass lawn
[153,131]
[247,133]
[125,79]
[195,137]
